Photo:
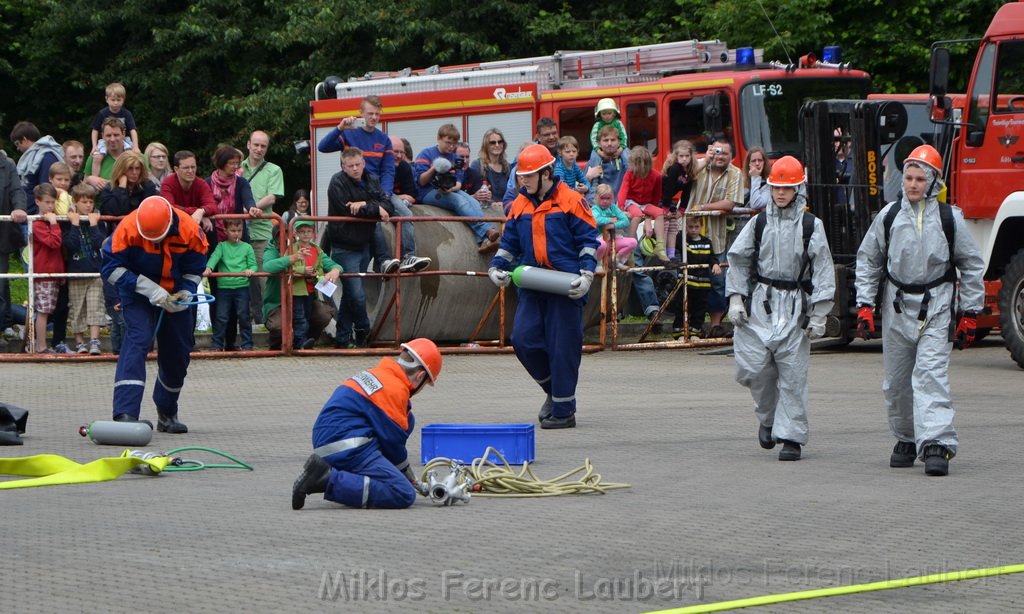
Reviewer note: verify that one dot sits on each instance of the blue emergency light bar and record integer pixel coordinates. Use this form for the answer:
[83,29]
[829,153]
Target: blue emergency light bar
[745,56]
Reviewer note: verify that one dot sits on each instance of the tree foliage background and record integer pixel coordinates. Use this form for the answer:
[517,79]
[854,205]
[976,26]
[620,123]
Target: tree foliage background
[206,72]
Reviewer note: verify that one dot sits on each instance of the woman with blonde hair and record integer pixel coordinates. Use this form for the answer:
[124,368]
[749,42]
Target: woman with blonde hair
[129,185]
[158,159]
[492,164]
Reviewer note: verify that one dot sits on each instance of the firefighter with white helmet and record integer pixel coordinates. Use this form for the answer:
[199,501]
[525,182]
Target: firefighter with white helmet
[916,247]
[359,457]
[155,258]
[550,226]
[781,286]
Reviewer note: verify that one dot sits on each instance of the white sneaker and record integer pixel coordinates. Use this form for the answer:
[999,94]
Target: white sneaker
[94,347]
[390,266]
[599,269]
[81,349]
[414,264]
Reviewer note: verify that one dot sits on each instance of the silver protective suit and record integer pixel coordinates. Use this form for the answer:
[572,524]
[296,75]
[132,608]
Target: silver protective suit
[916,353]
[772,349]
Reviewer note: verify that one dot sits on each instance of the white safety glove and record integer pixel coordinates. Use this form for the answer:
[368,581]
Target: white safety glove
[737,312]
[816,327]
[172,304]
[153,291]
[442,165]
[499,277]
[579,287]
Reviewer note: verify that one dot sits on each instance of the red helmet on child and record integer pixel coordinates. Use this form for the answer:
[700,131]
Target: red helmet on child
[787,172]
[534,158]
[154,218]
[426,354]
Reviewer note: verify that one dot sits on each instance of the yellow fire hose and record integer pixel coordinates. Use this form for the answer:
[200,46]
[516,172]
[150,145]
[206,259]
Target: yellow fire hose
[51,469]
[493,480]
[949,576]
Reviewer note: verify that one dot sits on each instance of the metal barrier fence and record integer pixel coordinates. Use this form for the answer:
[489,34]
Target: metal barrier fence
[286,240]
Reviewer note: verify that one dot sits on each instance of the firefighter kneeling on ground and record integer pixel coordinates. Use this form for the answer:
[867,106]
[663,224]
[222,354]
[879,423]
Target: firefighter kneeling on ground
[155,259]
[549,225]
[918,249]
[780,265]
[359,457]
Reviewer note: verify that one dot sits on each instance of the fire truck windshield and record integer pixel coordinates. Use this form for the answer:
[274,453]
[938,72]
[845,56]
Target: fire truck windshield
[769,110]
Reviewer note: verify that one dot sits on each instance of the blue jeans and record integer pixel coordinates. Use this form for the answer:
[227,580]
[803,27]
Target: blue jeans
[379,246]
[716,300]
[352,312]
[643,285]
[460,204]
[302,309]
[232,301]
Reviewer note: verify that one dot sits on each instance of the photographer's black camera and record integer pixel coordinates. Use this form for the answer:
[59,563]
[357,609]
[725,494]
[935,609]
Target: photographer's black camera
[447,181]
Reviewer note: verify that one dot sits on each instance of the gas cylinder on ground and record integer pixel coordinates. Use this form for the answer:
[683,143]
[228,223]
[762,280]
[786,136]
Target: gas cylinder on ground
[543,280]
[111,433]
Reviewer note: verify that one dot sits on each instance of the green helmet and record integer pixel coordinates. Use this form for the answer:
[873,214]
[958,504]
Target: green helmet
[647,247]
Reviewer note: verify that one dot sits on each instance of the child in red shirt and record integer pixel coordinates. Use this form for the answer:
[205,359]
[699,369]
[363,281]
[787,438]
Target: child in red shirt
[47,257]
[640,197]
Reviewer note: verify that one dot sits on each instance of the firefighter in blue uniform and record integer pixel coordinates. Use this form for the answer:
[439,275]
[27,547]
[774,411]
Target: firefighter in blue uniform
[155,259]
[359,457]
[549,225]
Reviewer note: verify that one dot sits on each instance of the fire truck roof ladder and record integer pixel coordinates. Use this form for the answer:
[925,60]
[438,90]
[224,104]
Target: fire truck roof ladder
[574,69]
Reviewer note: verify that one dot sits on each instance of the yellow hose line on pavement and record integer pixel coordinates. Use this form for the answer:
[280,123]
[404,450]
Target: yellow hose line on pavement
[493,480]
[51,469]
[949,576]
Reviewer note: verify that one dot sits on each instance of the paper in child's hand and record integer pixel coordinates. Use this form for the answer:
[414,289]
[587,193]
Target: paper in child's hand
[326,287]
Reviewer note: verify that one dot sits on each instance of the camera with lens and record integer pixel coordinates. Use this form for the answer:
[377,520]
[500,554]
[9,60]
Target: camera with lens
[446,181]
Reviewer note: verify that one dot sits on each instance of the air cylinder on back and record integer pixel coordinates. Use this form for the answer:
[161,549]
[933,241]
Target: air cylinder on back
[110,433]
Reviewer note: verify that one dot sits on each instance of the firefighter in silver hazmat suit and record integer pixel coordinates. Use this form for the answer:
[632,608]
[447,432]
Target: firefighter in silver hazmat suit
[789,295]
[916,342]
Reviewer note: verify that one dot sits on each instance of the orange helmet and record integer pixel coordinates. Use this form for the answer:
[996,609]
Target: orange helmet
[534,158]
[787,172]
[426,354]
[926,155]
[154,218]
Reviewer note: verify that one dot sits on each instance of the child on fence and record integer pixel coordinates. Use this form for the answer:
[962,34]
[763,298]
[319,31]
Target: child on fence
[698,281]
[83,239]
[46,258]
[308,262]
[60,178]
[677,176]
[609,217]
[606,113]
[640,197]
[566,168]
[232,256]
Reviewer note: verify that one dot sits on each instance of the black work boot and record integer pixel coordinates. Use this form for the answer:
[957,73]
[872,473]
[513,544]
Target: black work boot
[170,424]
[903,454]
[936,459]
[313,479]
[764,437]
[545,409]
[790,451]
[559,422]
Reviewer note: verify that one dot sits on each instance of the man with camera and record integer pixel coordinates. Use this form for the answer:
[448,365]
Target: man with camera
[439,174]
[718,187]
[362,133]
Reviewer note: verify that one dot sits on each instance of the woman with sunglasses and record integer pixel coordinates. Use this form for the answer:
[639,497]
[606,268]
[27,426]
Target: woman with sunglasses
[492,164]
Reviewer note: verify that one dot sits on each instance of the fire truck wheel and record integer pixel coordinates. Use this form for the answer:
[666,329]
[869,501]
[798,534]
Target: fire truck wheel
[1011,307]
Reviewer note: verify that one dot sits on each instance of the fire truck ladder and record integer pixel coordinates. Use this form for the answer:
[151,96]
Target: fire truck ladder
[574,69]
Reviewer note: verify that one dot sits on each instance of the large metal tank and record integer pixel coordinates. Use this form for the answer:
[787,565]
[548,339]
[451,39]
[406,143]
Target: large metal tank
[448,308]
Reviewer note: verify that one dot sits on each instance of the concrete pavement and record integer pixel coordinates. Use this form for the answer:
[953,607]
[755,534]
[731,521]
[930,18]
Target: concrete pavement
[711,516]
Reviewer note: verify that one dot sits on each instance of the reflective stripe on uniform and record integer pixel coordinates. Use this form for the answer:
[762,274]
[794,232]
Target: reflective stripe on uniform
[543,381]
[130,382]
[196,279]
[507,255]
[117,274]
[563,399]
[366,491]
[166,387]
[340,446]
[588,251]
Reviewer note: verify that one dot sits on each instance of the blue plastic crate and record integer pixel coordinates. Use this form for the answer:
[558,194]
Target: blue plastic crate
[467,442]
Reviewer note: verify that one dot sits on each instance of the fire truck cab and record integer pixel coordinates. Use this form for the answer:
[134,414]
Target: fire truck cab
[666,92]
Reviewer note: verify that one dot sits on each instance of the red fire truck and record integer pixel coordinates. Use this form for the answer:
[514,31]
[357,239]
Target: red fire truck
[666,92]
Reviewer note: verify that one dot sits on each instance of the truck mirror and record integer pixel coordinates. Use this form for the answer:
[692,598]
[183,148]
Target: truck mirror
[939,76]
[713,113]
